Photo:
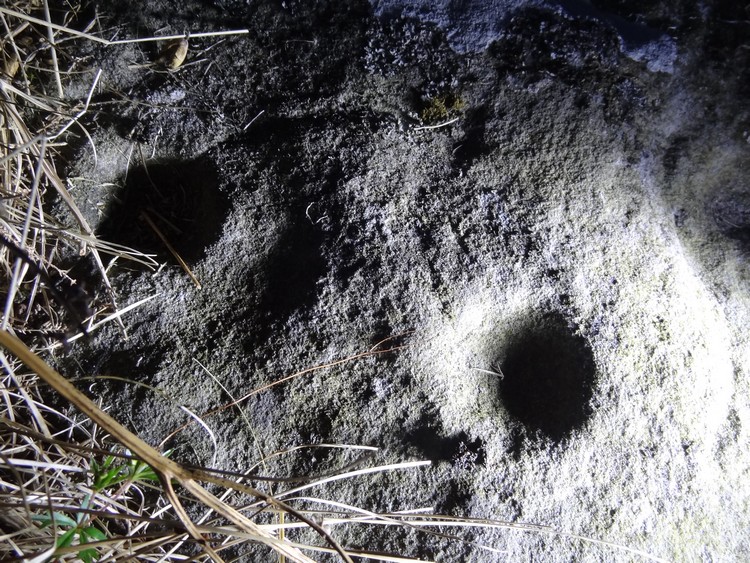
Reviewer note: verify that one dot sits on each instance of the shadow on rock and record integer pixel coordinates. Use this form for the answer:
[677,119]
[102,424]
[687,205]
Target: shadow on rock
[429,439]
[294,266]
[731,212]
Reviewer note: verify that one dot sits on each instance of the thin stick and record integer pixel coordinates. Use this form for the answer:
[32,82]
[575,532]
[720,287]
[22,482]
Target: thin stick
[316,368]
[96,39]
[285,379]
[114,316]
[438,126]
[245,128]
[51,39]
[171,249]
[81,113]
[498,373]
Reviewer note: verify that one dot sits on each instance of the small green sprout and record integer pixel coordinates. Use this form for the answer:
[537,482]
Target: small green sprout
[77,529]
[74,529]
[109,473]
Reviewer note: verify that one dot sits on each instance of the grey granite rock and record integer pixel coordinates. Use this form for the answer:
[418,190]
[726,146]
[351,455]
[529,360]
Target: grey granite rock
[550,218]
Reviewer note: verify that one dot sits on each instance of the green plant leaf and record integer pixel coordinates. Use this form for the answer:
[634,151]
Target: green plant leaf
[88,555]
[106,475]
[43,519]
[142,472]
[93,533]
[67,538]
[58,518]
[88,535]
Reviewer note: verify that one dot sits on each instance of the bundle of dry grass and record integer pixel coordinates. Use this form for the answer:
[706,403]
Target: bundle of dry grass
[60,501]
[41,298]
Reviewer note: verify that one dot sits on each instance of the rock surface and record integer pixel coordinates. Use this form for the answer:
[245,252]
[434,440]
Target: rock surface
[547,212]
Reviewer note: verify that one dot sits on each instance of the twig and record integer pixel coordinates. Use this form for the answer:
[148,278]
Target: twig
[245,128]
[81,113]
[107,42]
[497,371]
[116,315]
[171,249]
[438,126]
[51,39]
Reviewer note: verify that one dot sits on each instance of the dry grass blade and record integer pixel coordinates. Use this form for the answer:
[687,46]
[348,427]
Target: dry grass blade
[171,249]
[374,351]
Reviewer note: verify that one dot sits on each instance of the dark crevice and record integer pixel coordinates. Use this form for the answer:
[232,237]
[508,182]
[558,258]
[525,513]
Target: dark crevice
[429,439]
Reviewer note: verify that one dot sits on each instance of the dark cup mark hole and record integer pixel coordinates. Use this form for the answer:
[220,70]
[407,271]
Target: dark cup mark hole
[181,200]
[548,379]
